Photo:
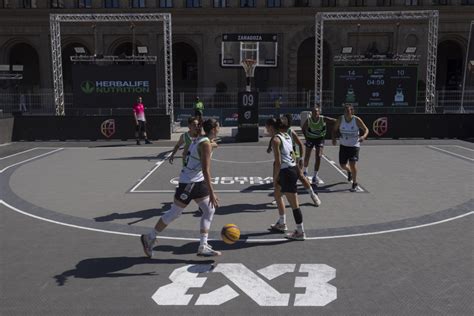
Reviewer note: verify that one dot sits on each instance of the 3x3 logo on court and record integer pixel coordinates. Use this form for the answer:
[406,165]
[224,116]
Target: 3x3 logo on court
[313,278]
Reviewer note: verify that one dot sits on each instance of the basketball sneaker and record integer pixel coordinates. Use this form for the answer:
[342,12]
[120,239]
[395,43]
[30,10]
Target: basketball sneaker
[349,176]
[138,142]
[296,235]
[207,251]
[281,228]
[316,200]
[355,187]
[305,174]
[314,180]
[147,244]
[274,202]
[148,142]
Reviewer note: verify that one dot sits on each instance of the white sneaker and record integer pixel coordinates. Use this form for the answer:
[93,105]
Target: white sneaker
[281,228]
[316,200]
[207,251]
[274,202]
[296,236]
[147,244]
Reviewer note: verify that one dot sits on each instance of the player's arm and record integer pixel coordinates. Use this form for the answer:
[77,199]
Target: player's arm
[363,127]
[305,127]
[135,116]
[176,148]
[298,142]
[206,149]
[277,155]
[335,130]
[269,149]
[329,119]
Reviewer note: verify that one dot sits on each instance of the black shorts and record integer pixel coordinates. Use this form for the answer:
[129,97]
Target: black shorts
[348,154]
[287,179]
[314,142]
[185,192]
[197,113]
[141,127]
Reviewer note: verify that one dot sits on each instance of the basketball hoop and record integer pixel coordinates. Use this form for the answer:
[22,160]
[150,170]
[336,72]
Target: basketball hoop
[249,67]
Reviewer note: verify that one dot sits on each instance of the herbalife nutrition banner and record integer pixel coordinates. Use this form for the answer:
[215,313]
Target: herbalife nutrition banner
[375,86]
[113,86]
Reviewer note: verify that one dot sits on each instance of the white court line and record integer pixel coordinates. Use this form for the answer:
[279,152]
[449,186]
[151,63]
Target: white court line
[217,191]
[19,153]
[33,158]
[464,147]
[157,165]
[230,161]
[6,144]
[450,152]
[247,240]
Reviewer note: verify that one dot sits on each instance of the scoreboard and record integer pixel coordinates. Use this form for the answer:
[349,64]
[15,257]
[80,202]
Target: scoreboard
[375,86]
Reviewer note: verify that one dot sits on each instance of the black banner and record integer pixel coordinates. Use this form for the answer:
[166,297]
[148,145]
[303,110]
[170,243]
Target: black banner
[113,86]
[375,86]
[250,37]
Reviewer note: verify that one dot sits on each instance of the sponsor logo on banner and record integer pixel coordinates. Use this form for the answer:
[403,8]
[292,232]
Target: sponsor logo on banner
[87,87]
[233,118]
[380,126]
[313,278]
[107,128]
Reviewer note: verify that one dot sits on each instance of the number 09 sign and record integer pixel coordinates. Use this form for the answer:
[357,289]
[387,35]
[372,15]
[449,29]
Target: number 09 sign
[248,110]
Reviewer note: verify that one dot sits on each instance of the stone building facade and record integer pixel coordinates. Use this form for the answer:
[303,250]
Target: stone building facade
[199,24]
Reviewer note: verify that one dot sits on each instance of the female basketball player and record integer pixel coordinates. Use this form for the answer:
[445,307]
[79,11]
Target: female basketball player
[194,184]
[348,126]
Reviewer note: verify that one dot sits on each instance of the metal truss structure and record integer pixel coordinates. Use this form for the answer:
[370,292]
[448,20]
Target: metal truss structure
[56,19]
[431,15]
[114,59]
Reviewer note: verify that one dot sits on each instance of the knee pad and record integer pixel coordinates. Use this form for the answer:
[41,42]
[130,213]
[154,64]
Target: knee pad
[173,213]
[298,216]
[207,213]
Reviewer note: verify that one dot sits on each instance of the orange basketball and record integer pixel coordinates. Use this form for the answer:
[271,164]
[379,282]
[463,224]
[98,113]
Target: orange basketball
[230,233]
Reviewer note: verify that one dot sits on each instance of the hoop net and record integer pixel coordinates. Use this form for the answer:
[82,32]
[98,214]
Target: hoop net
[249,67]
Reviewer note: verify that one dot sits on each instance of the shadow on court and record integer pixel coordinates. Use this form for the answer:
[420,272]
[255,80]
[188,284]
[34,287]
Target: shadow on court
[192,247]
[110,267]
[142,215]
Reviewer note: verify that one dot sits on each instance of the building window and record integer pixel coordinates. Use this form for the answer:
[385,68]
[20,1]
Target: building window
[137,3]
[193,3]
[302,3]
[467,2]
[110,4]
[57,4]
[84,4]
[247,3]
[221,3]
[166,3]
[412,2]
[384,3]
[273,3]
[328,3]
[357,3]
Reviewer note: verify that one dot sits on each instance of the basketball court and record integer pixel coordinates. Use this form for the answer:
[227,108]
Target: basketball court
[72,214]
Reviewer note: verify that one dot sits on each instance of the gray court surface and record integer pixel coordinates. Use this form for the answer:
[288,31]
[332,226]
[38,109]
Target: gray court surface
[71,214]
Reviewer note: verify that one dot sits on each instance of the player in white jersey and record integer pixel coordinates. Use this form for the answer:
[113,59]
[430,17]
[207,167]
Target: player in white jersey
[285,176]
[194,184]
[348,127]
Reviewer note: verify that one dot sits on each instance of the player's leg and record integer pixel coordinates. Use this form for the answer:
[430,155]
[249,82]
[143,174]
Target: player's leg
[200,195]
[307,185]
[280,225]
[181,200]
[290,191]
[317,162]
[354,157]
[343,159]
[307,155]
[144,134]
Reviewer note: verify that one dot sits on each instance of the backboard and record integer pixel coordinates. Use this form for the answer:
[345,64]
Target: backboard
[261,47]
